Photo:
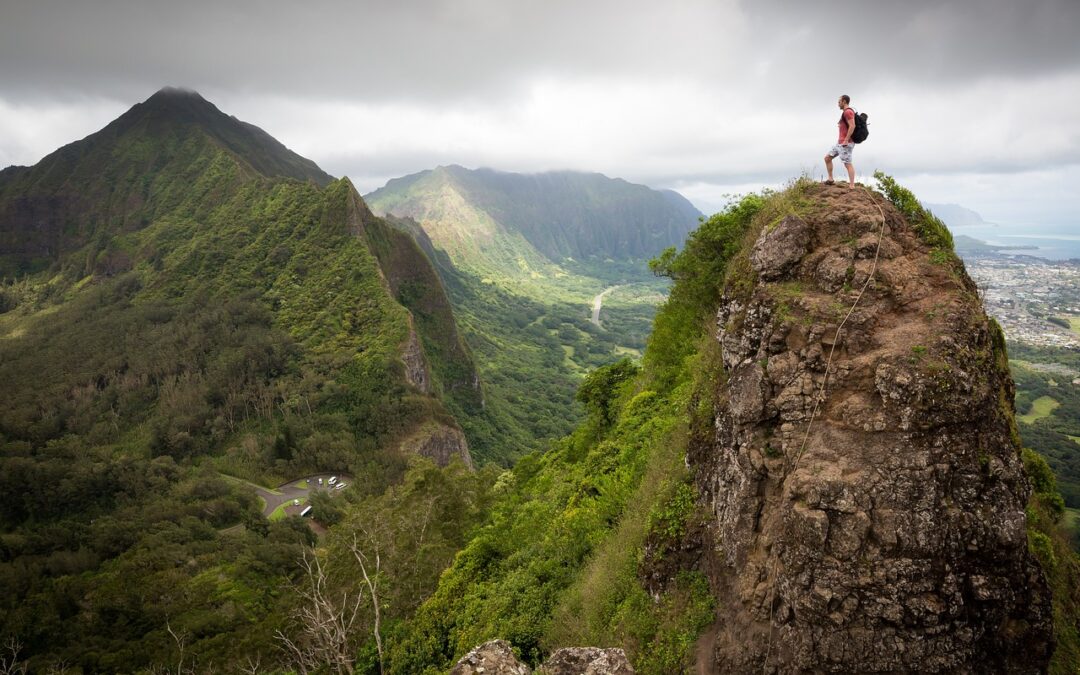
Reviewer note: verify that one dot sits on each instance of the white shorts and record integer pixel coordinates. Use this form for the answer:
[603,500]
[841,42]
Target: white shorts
[844,151]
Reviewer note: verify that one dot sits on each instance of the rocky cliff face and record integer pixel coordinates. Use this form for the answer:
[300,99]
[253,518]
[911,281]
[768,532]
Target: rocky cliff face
[438,442]
[412,355]
[888,535]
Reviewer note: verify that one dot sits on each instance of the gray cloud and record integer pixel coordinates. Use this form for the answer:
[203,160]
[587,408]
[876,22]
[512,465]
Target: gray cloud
[706,94]
[434,50]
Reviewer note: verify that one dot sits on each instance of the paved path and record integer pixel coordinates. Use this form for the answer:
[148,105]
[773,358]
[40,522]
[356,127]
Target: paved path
[597,302]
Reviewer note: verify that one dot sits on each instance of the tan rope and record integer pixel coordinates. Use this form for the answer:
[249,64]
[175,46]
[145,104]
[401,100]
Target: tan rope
[813,414]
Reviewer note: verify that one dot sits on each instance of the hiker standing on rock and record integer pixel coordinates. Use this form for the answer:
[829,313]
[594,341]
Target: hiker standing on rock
[844,144]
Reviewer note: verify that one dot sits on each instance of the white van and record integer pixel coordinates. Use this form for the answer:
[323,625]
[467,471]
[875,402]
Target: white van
[333,479]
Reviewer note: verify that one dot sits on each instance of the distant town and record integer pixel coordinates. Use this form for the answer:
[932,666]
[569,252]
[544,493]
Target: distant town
[1036,301]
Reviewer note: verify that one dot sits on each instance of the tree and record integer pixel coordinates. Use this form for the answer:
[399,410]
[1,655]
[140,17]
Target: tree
[323,620]
[9,658]
[601,387]
[371,559]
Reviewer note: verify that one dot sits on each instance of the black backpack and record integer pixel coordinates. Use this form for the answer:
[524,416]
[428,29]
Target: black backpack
[861,132]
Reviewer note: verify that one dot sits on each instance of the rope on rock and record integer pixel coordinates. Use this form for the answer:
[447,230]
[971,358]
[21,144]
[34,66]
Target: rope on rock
[819,397]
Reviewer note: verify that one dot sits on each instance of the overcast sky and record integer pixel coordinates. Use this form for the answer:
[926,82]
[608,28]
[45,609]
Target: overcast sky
[975,102]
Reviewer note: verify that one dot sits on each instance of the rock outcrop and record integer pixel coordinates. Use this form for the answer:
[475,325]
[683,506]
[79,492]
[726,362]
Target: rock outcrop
[888,535]
[438,442]
[496,657]
[412,355]
[586,661]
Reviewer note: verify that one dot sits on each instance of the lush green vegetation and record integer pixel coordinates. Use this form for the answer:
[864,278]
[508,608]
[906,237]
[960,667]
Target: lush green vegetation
[531,350]
[575,530]
[524,301]
[199,317]
[1039,378]
[402,540]
[1050,542]
[930,228]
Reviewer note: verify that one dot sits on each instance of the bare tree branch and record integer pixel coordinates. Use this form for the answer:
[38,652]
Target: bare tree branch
[9,658]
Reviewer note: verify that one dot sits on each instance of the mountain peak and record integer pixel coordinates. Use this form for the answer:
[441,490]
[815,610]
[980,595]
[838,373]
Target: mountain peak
[174,93]
[173,109]
[177,101]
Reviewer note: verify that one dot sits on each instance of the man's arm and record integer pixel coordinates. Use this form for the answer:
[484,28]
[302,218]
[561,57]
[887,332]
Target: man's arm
[850,121]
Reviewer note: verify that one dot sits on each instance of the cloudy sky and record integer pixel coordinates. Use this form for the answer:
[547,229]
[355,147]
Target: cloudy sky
[975,102]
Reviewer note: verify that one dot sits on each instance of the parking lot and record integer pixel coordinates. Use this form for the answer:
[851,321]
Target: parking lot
[290,499]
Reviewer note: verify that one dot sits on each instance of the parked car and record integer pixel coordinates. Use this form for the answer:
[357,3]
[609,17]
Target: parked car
[296,502]
[333,479]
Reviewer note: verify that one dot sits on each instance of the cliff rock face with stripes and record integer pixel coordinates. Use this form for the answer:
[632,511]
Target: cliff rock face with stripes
[863,472]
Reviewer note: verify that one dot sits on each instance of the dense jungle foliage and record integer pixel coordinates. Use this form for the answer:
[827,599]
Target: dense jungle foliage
[201,323]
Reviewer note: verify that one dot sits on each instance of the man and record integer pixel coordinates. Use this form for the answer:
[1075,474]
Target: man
[844,145]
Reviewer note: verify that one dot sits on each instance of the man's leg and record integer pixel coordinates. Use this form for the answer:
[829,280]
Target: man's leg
[828,166]
[850,174]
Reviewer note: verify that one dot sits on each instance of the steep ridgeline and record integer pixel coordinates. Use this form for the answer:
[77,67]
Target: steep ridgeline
[175,199]
[886,532]
[508,224]
[685,521]
[184,297]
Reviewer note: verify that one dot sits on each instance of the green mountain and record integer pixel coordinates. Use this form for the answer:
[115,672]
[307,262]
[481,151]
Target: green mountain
[548,276]
[187,303]
[120,178]
[508,225]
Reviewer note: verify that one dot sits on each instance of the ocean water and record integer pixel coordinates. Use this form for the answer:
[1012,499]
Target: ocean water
[1049,243]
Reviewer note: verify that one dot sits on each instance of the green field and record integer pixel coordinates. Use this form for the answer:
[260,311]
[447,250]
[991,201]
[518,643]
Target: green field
[1070,518]
[1074,323]
[1040,408]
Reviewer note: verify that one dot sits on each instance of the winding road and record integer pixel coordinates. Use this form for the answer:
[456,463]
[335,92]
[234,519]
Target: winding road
[597,302]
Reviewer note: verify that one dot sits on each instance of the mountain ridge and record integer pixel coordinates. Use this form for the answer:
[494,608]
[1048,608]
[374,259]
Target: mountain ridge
[531,224]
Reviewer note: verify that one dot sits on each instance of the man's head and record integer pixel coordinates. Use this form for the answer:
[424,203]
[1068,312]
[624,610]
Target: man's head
[844,101]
